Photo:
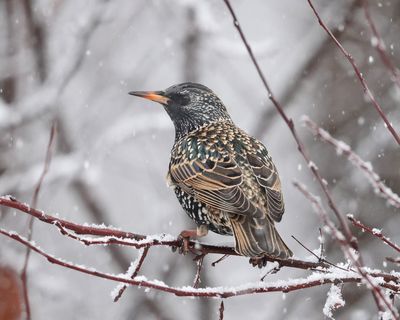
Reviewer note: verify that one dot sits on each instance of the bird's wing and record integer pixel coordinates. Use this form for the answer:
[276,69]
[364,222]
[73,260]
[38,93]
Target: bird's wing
[267,176]
[215,183]
[218,185]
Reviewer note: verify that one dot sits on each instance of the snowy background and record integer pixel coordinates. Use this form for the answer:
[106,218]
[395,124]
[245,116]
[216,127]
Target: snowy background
[75,61]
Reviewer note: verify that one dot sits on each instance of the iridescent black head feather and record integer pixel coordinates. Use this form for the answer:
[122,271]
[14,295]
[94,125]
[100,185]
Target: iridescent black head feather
[189,105]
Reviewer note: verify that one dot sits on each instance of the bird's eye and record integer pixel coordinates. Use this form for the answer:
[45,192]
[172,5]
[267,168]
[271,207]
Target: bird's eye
[181,99]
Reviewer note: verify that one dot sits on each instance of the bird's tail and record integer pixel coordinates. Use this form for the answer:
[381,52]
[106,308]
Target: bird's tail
[257,236]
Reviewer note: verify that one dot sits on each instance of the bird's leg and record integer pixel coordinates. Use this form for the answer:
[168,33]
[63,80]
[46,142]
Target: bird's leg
[186,235]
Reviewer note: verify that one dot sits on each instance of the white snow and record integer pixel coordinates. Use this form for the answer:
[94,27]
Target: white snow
[333,301]
[128,274]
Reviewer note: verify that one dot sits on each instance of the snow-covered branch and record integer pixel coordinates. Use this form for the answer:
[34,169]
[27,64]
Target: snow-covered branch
[342,148]
[347,247]
[103,235]
[373,231]
[322,273]
[315,279]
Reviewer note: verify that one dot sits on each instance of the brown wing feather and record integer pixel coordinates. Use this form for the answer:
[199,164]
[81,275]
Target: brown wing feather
[268,178]
[246,188]
[215,183]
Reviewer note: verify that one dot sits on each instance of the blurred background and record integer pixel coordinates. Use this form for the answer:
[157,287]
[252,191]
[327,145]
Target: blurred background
[75,61]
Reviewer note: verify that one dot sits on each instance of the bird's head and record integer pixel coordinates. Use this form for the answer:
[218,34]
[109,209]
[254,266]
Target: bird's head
[189,105]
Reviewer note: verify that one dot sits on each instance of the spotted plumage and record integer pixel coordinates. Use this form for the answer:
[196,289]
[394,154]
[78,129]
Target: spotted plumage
[224,179]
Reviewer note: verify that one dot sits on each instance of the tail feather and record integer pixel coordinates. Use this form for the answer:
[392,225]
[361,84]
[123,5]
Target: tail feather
[255,237]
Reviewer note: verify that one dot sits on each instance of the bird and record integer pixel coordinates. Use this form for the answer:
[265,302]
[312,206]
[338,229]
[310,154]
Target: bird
[223,178]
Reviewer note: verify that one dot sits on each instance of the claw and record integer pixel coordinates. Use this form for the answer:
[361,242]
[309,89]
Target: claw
[184,247]
[259,262]
[185,235]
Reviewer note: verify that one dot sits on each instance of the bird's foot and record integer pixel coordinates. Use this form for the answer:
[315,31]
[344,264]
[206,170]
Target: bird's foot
[186,235]
[259,262]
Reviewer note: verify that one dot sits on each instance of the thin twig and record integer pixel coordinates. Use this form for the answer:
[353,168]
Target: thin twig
[375,232]
[320,258]
[313,280]
[290,124]
[380,45]
[321,243]
[394,260]
[199,263]
[24,275]
[380,298]
[221,310]
[219,260]
[366,168]
[115,236]
[359,75]
[141,241]
[347,238]
[139,262]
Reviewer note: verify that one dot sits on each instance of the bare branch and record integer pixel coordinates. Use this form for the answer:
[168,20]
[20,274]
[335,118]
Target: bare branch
[24,275]
[115,236]
[135,266]
[221,310]
[199,263]
[366,168]
[380,298]
[380,46]
[314,280]
[290,124]
[375,232]
[359,75]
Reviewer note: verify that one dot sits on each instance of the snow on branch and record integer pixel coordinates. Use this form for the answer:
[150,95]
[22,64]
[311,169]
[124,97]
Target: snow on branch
[313,280]
[322,273]
[102,235]
[373,231]
[359,75]
[333,301]
[347,247]
[132,272]
[366,168]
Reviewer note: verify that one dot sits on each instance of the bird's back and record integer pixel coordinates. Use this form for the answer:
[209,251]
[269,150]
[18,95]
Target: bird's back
[231,175]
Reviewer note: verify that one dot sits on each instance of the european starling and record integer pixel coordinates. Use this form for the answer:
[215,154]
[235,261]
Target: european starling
[224,179]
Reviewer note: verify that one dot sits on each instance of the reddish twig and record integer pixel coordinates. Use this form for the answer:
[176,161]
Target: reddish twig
[219,260]
[199,263]
[290,124]
[135,266]
[314,280]
[375,232]
[114,236]
[394,260]
[343,148]
[380,298]
[221,310]
[380,45]
[359,75]
[348,238]
[320,258]
[366,168]
[142,241]
[24,275]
